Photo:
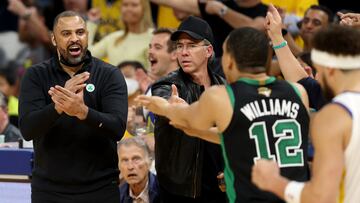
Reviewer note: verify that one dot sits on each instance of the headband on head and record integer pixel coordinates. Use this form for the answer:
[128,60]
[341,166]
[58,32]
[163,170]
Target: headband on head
[335,61]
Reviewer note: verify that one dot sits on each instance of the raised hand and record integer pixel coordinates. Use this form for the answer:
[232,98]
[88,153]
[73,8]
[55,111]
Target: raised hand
[155,104]
[94,14]
[17,7]
[273,23]
[349,19]
[174,98]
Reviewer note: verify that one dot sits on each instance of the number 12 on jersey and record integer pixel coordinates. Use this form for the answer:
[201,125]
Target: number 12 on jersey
[288,152]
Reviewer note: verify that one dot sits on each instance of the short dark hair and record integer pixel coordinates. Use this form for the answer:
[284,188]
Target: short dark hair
[324,9]
[338,40]
[249,48]
[135,64]
[10,72]
[66,14]
[171,44]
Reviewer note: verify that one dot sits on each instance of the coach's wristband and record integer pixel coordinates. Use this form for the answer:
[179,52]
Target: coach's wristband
[293,192]
[281,45]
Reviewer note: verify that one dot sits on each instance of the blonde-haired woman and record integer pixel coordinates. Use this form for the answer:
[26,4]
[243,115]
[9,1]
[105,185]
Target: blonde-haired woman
[128,44]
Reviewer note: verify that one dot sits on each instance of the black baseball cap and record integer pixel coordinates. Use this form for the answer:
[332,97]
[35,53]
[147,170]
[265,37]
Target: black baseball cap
[196,27]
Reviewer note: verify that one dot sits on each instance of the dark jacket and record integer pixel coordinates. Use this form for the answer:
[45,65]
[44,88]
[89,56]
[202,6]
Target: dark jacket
[185,165]
[153,191]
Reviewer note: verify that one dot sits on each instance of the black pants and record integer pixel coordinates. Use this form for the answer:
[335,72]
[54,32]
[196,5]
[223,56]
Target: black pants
[107,194]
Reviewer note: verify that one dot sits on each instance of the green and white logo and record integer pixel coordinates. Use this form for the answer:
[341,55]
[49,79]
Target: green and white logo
[90,87]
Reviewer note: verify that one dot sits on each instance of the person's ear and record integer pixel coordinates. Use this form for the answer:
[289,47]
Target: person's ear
[53,41]
[209,51]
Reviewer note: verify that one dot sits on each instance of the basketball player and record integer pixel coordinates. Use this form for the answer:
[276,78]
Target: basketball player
[335,129]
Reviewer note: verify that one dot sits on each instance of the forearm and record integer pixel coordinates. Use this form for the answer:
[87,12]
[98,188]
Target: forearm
[289,65]
[37,123]
[190,6]
[295,49]
[112,123]
[238,20]
[210,135]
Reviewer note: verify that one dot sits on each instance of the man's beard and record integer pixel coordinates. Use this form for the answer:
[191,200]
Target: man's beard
[68,60]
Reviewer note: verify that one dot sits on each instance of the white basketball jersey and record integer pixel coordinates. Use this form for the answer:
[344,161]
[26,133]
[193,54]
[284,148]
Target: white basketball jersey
[350,187]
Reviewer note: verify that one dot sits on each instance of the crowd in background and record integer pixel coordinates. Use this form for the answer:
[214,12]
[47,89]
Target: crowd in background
[134,35]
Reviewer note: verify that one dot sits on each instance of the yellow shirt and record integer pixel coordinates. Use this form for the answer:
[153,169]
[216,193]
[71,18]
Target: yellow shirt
[110,20]
[297,7]
[133,47]
[166,18]
[13,106]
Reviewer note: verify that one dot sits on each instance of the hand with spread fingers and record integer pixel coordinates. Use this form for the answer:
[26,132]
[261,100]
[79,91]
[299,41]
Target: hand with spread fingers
[174,98]
[155,104]
[69,102]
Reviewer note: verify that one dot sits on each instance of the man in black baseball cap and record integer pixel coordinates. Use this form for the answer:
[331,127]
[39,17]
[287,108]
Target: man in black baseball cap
[187,167]
[196,27]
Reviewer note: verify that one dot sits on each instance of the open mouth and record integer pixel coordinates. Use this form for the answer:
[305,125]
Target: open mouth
[131,175]
[153,61]
[75,50]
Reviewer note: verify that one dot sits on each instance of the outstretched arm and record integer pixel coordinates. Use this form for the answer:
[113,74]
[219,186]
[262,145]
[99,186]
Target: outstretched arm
[213,100]
[190,6]
[232,17]
[289,65]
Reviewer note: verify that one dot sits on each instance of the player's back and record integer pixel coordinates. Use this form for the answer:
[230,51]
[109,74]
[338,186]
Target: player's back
[349,190]
[269,121]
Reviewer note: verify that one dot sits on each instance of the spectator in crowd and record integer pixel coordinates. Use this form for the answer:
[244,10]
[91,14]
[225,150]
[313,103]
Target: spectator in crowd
[110,20]
[11,132]
[33,32]
[228,14]
[10,86]
[130,43]
[234,110]
[315,18]
[162,54]
[336,171]
[134,163]
[74,108]
[187,167]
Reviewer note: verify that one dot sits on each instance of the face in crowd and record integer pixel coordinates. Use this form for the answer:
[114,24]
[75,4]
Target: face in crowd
[313,21]
[71,39]
[159,55]
[132,11]
[192,54]
[134,164]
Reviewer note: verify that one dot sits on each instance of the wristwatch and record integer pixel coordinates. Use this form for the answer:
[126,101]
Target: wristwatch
[223,11]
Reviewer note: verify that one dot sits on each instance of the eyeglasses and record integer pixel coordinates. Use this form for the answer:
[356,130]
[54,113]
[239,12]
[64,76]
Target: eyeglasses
[188,47]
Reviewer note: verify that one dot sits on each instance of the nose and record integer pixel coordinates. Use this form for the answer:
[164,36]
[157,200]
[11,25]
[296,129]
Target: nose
[74,37]
[184,50]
